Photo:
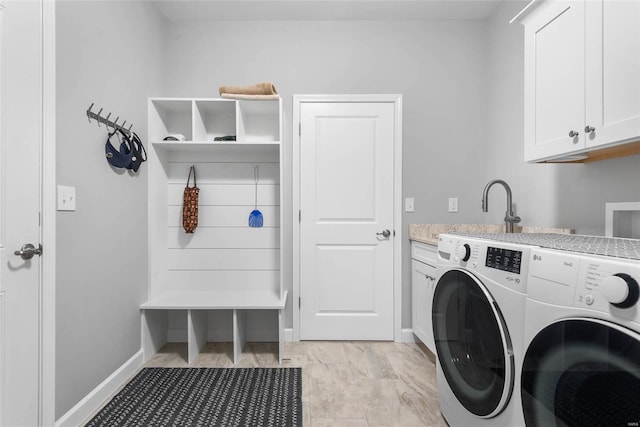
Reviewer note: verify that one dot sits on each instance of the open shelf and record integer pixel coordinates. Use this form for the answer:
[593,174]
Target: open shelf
[258,121]
[202,120]
[169,117]
[207,145]
[214,118]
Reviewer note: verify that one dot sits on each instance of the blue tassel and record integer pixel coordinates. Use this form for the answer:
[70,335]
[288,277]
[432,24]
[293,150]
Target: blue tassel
[255,219]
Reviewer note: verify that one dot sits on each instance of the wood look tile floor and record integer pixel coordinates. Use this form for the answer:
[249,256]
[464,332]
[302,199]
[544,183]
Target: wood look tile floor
[344,383]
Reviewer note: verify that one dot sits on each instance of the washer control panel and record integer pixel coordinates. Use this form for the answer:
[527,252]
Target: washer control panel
[463,252]
[503,259]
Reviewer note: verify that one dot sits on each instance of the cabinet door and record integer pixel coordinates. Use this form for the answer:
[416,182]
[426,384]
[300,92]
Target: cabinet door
[423,279]
[612,71]
[554,80]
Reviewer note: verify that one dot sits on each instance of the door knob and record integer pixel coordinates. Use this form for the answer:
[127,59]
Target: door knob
[573,134]
[385,233]
[589,129]
[27,251]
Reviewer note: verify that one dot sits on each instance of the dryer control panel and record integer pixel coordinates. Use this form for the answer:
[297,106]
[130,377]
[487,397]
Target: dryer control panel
[604,284]
[609,285]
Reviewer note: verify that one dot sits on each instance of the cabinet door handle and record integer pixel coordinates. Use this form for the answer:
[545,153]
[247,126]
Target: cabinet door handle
[589,129]
[429,277]
[573,133]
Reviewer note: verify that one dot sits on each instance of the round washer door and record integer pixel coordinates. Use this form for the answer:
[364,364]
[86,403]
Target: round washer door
[473,344]
[582,372]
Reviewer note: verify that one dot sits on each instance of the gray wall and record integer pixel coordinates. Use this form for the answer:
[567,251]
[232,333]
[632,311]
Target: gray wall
[463,97]
[439,67]
[108,53]
[556,195]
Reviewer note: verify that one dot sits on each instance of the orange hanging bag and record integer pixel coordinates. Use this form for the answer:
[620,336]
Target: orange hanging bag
[190,204]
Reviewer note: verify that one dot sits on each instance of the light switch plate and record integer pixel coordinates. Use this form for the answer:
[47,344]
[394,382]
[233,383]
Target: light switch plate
[453,204]
[66,198]
[409,204]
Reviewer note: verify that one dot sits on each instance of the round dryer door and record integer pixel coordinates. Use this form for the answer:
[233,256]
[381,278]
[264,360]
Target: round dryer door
[582,372]
[473,344]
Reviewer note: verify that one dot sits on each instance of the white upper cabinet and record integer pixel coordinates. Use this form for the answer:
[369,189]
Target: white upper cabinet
[554,80]
[582,78]
[612,71]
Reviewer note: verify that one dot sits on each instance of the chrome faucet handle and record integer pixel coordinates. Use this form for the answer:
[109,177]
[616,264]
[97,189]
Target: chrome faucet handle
[512,219]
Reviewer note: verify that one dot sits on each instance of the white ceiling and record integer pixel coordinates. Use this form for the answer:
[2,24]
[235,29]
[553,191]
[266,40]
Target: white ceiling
[287,10]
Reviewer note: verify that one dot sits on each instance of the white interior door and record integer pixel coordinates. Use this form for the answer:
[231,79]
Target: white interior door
[20,143]
[346,221]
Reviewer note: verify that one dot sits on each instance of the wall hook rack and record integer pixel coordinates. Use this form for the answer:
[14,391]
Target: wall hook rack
[108,123]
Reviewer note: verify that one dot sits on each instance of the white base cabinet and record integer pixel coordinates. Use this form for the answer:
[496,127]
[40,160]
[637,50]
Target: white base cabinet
[224,265]
[424,276]
[582,91]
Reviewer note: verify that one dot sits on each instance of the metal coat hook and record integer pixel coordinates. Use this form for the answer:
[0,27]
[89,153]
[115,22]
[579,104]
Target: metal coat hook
[99,112]
[105,120]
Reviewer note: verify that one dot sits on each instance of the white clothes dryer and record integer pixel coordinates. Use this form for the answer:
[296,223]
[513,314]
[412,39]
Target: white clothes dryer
[478,315]
[582,333]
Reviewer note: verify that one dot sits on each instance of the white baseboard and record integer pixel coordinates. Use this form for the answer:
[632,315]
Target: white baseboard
[406,335]
[92,401]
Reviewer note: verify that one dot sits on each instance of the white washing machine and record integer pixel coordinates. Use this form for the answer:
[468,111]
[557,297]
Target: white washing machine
[582,333]
[478,324]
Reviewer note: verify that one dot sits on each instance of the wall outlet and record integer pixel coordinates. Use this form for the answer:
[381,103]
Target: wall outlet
[66,198]
[453,204]
[409,204]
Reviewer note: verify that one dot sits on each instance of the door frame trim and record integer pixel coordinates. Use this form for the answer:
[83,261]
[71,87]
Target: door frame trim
[48,217]
[396,99]
[47,202]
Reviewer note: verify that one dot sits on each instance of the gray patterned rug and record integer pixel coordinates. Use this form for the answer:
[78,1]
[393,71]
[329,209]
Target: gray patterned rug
[207,397]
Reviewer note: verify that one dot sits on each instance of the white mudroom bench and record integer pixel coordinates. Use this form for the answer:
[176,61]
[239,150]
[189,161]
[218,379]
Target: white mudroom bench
[196,304]
[226,267]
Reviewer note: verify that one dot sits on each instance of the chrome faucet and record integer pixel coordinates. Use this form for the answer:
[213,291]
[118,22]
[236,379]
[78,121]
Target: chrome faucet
[509,217]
